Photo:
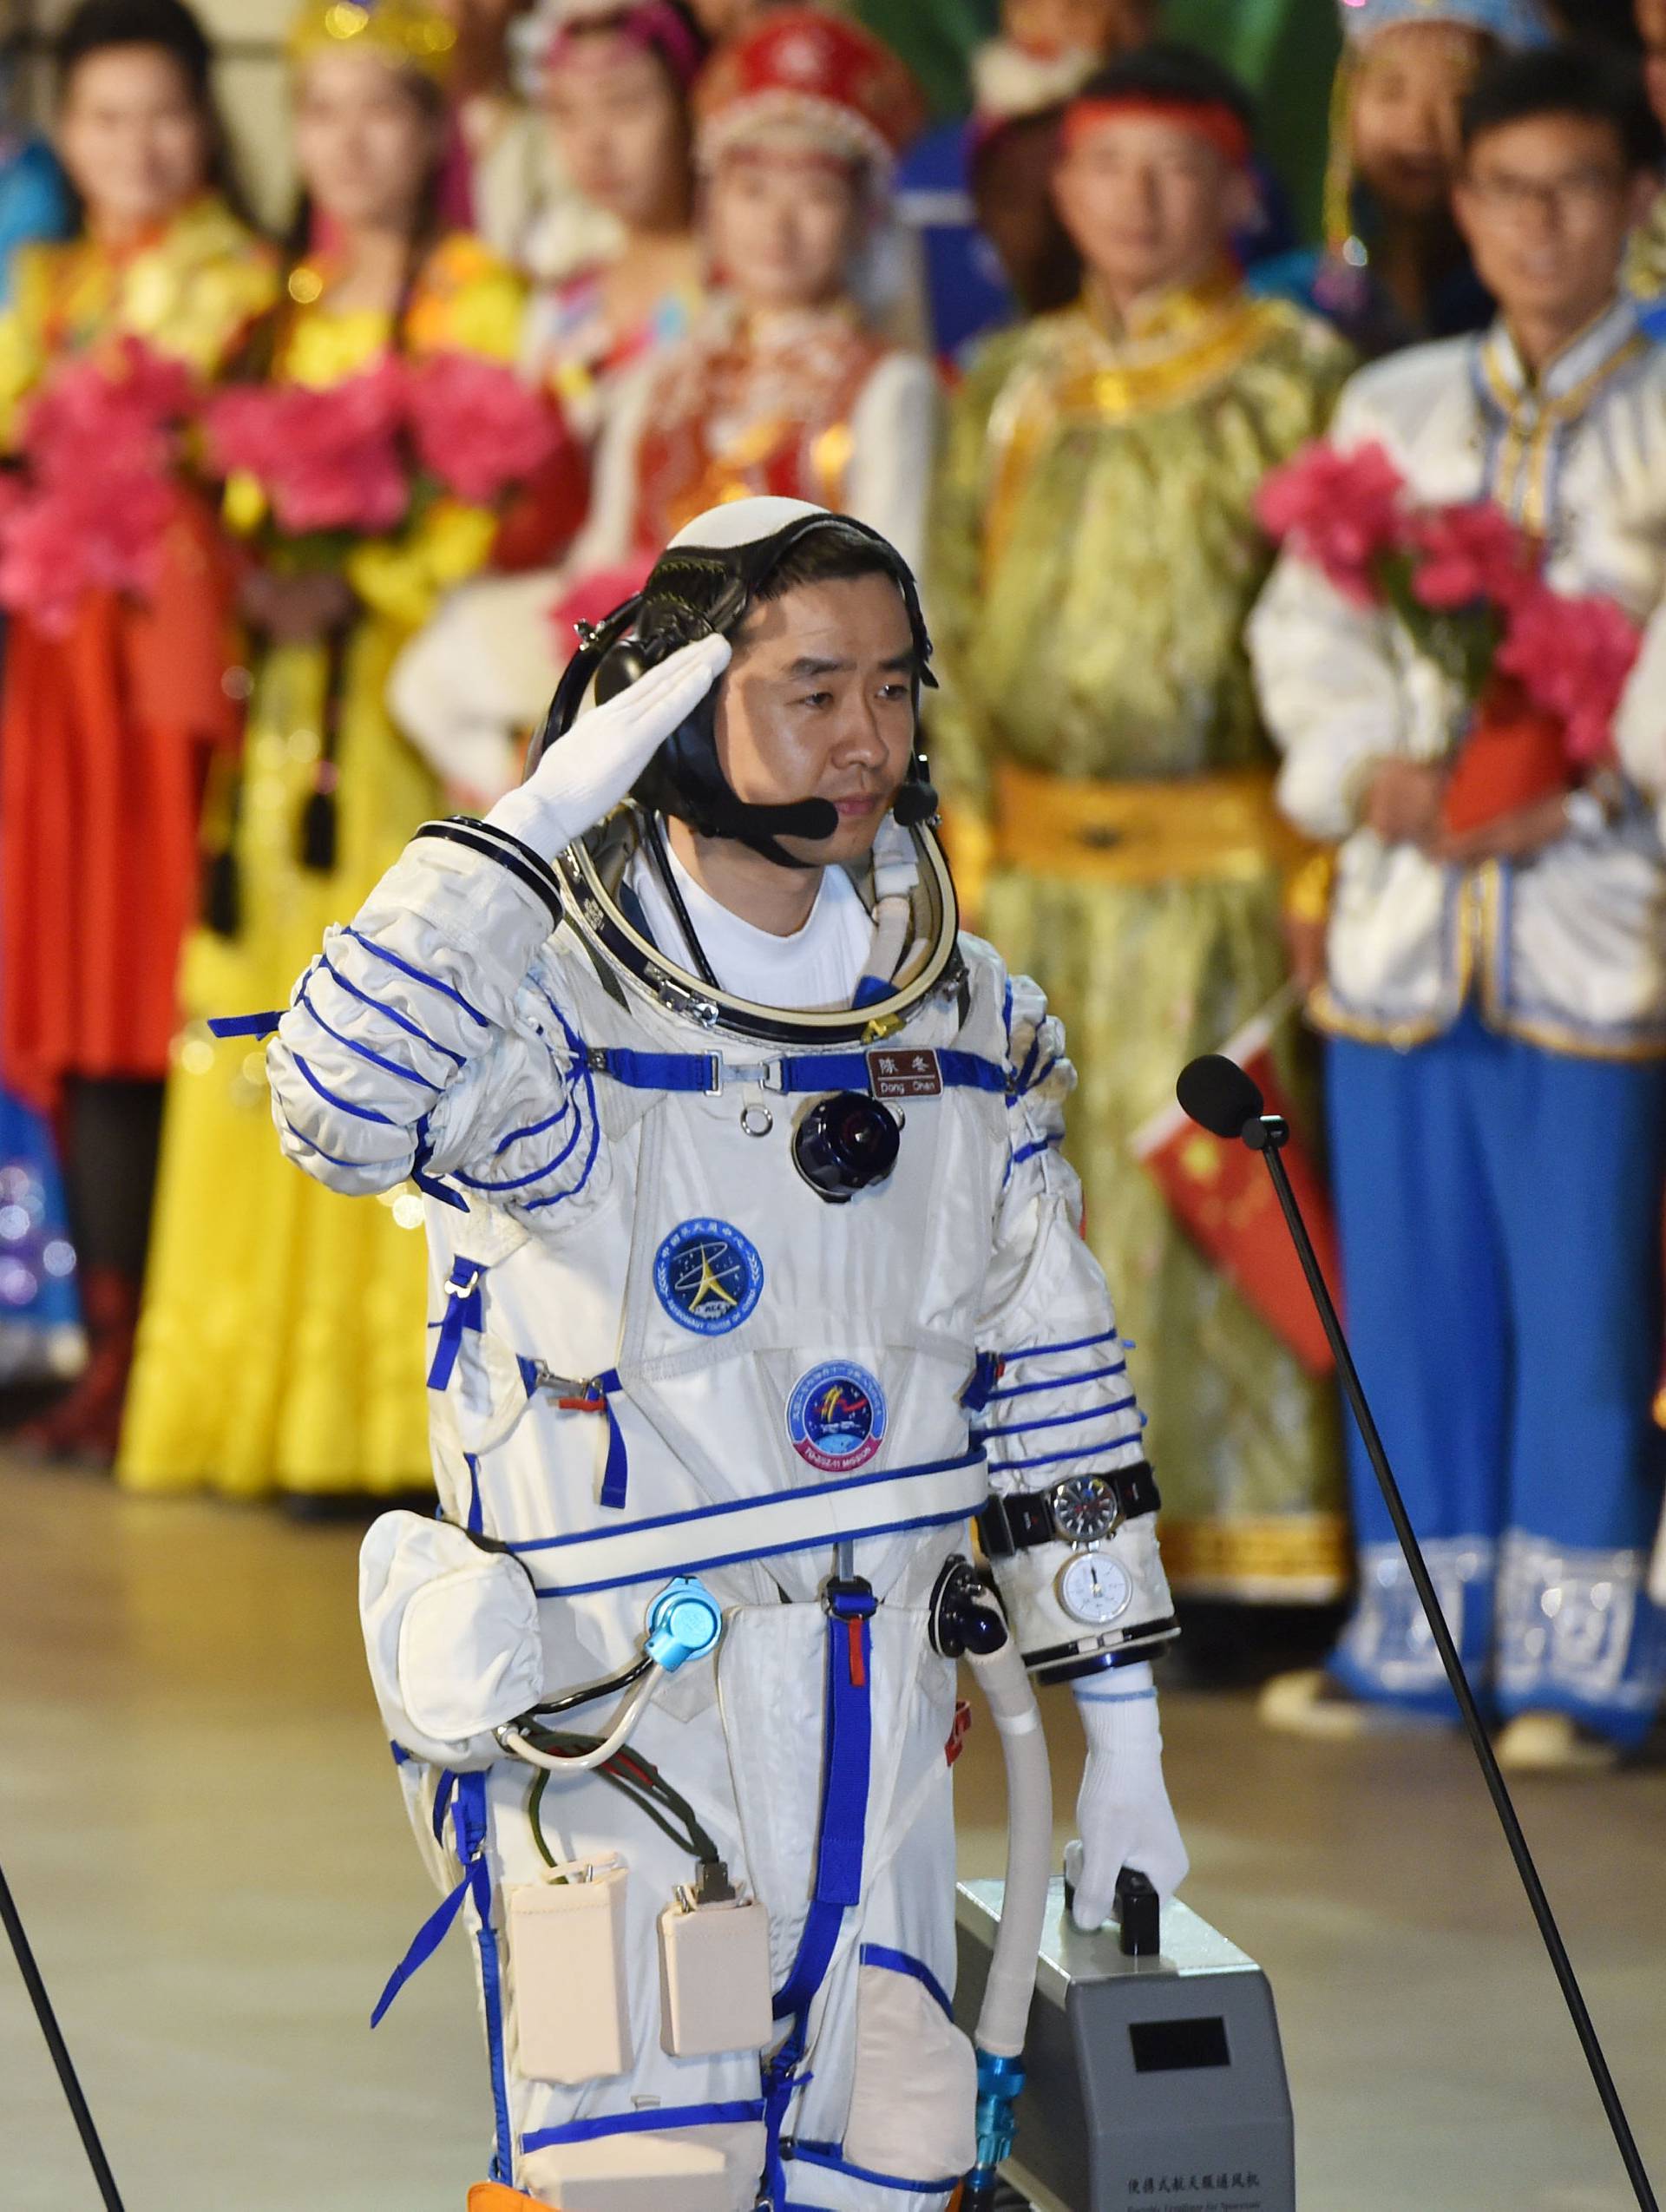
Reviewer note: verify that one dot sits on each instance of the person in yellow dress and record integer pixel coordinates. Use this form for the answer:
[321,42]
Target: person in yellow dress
[281,1341]
[1095,556]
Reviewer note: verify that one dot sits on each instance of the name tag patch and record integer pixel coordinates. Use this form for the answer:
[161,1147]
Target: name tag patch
[908,1072]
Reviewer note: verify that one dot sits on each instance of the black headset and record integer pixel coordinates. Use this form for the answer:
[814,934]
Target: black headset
[702,591]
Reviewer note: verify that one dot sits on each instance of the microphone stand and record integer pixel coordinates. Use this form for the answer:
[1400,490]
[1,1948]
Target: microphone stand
[1268,1134]
[55,2043]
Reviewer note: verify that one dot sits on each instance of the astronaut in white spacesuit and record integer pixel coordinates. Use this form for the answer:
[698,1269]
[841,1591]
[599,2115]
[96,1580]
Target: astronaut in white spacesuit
[754,1261]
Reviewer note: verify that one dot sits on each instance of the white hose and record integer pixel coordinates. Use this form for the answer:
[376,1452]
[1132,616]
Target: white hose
[1006,1689]
[630,1713]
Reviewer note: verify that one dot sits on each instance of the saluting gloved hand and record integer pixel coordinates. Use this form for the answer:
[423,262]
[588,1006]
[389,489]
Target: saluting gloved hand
[452,1633]
[1122,1807]
[586,773]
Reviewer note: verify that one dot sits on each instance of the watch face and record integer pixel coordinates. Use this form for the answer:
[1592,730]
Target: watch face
[1095,1588]
[1085,1509]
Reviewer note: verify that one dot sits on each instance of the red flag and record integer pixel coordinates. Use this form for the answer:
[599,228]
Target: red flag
[1222,1197]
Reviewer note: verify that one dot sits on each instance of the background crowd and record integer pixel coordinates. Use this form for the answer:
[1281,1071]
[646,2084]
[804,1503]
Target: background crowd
[294,532]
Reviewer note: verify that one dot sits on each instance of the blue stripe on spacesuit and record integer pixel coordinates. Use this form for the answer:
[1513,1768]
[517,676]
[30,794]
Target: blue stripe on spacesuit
[301,1137]
[796,1072]
[392,1012]
[581,1065]
[1028,1151]
[462,1310]
[846,1765]
[537,1175]
[419,975]
[469,1824]
[1057,1382]
[1076,1451]
[535,1128]
[362,1052]
[1073,1344]
[904,1962]
[1052,1421]
[343,1106]
[736,2113]
[827,2155]
[682,1565]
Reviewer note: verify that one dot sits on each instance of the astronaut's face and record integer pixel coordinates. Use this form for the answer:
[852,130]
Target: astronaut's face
[818,703]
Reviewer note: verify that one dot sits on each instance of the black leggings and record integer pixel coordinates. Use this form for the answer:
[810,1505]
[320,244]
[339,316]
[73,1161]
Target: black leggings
[112,1128]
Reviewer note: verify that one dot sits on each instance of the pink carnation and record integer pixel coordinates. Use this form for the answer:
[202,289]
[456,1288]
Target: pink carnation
[1574,656]
[114,412]
[1341,510]
[327,460]
[99,444]
[477,427]
[102,533]
[1471,555]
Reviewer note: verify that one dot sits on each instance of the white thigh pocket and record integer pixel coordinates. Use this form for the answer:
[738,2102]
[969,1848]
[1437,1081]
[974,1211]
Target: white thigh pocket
[914,2098]
[681,2169]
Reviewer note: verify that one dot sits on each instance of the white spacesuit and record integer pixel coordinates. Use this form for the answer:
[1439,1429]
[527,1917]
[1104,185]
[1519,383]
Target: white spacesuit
[775,1295]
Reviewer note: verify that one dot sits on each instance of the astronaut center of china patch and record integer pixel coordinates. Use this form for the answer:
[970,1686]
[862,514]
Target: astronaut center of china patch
[836,1416]
[709,1277]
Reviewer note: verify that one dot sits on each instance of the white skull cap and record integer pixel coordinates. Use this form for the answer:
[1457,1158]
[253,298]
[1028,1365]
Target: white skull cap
[743,521]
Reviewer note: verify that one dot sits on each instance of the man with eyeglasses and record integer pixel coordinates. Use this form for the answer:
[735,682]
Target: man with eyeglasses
[1495,1000]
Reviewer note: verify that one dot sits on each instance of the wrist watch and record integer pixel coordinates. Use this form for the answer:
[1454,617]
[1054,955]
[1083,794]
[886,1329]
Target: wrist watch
[1083,1510]
[1094,1588]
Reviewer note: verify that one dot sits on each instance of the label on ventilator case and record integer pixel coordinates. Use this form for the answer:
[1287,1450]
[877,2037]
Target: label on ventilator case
[566,1972]
[715,1991]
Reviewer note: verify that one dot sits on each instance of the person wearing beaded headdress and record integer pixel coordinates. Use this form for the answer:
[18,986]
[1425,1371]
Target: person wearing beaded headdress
[781,388]
[280,1343]
[1093,555]
[111,712]
[1393,267]
[615,88]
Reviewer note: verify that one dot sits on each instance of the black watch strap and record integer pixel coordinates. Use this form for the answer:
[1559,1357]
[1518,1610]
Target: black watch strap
[1023,1520]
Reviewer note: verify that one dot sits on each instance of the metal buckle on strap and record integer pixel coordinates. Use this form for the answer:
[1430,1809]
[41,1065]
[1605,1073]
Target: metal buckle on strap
[465,1290]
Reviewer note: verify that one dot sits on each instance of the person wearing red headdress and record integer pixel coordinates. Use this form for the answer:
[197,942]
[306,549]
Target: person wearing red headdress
[782,387]
[1094,554]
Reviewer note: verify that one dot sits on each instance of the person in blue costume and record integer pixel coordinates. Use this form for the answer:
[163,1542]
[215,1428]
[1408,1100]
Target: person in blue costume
[40,1319]
[1393,268]
[1494,998]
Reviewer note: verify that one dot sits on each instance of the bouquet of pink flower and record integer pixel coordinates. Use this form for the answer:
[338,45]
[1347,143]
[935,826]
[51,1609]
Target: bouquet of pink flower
[326,460]
[366,456]
[477,429]
[98,484]
[1543,672]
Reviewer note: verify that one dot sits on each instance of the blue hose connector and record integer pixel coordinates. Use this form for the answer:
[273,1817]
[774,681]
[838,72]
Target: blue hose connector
[684,1622]
[999,2081]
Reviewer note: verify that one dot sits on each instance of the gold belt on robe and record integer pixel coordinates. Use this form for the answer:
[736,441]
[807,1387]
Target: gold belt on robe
[1222,828]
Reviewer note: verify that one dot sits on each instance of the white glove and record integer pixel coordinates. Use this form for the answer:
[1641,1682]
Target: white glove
[451,1633]
[590,770]
[1122,1807]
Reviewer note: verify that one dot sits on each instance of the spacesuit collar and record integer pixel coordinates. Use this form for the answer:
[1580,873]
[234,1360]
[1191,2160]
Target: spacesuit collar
[610,920]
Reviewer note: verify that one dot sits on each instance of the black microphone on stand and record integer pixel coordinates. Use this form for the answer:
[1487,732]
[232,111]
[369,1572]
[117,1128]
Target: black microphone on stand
[1214,1092]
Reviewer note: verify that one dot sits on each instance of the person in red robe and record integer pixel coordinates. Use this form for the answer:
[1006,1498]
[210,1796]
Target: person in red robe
[106,726]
